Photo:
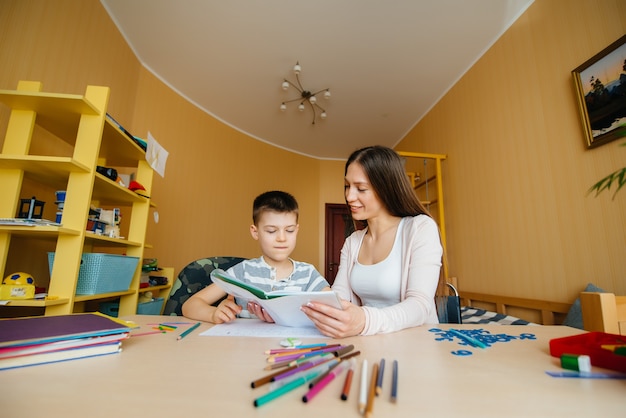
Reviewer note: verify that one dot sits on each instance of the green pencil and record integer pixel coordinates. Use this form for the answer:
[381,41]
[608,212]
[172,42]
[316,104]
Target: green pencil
[187,332]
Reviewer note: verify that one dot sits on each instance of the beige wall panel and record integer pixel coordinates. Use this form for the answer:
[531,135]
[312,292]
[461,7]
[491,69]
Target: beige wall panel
[212,176]
[518,218]
[67,45]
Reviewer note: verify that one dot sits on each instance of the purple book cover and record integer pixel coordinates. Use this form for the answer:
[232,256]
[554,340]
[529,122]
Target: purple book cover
[43,329]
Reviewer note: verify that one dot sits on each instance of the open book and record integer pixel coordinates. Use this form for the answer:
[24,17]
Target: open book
[283,306]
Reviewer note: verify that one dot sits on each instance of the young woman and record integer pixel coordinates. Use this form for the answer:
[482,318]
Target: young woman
[389,271]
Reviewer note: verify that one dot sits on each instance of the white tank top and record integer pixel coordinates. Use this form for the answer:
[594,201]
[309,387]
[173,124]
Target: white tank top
[378,285]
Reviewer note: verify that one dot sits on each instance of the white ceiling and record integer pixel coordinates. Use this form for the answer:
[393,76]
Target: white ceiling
[386,63]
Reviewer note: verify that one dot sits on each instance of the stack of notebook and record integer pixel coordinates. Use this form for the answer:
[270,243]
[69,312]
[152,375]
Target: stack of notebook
[48,339]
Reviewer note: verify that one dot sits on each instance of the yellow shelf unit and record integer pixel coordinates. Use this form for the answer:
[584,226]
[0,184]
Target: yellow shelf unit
[424,171]
[81,122]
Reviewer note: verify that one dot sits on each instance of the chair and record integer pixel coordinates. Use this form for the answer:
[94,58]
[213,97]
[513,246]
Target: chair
[449,306]
[603,312]
[193,278]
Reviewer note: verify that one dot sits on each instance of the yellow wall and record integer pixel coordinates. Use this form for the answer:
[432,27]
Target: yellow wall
[518,220]
[213,172]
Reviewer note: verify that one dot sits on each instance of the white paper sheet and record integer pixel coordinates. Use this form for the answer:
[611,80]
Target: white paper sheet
[258,328]
[156,155]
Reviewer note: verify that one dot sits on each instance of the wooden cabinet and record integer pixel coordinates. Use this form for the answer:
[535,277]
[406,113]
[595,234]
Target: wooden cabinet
[88,139]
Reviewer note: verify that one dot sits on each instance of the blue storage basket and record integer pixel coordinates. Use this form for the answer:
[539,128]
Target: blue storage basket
[103,273]
[150,308]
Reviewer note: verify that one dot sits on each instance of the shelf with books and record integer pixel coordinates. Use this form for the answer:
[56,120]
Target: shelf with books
[94,140]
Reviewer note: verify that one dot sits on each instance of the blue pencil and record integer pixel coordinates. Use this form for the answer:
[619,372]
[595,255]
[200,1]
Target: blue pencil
[379,381]
[394,382]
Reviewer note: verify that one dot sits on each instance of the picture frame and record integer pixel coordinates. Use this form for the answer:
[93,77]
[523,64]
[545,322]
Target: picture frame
[601,91]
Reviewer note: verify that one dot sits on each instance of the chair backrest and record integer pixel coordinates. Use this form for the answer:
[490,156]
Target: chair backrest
[603,312]
[449,306]
[194,277]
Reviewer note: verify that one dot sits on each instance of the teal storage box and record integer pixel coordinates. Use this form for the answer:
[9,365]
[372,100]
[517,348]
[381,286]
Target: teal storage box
[103,273]
[150,308]
[110,308]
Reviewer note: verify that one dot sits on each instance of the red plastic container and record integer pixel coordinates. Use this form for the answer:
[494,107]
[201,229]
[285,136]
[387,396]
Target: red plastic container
[591,344]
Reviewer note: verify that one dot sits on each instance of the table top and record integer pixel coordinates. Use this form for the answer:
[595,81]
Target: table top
[157,375]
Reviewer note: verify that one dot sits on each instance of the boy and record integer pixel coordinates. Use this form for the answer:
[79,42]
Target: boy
[275,226]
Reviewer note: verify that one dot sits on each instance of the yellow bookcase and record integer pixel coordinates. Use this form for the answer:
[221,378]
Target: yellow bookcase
[81,122]
[424,171]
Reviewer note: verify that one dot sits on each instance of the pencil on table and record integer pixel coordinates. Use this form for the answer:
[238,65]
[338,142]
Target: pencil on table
[379,380]
[184,334]
[363,388]
[394,382]
[369,408]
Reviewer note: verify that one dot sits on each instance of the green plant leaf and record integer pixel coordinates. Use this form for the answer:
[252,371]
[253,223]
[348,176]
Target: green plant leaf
[618,177]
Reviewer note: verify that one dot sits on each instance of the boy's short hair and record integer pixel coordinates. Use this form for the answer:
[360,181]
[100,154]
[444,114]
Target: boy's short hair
[276,201]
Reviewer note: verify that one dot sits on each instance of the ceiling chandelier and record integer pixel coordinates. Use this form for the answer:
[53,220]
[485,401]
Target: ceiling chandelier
[305,95]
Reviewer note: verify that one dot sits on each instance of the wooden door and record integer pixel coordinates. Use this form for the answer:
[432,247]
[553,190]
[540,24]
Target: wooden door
[339,226]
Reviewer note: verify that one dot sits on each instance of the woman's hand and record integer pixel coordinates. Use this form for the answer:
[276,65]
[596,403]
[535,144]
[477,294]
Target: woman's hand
[256,309]
[336,323]
[226,311]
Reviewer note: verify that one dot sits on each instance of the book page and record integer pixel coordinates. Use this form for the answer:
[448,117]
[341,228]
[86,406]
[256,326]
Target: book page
[284,308]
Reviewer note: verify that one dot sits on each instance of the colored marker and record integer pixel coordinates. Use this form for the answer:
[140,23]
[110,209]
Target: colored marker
[348,382]
[321,384]
[268,378]
[270,396]
[304,366]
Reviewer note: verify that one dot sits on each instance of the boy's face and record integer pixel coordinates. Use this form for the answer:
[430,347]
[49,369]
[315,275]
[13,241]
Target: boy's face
[276,233]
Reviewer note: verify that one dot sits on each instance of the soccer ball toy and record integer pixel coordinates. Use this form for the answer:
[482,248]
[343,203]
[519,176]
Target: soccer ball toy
[19,278]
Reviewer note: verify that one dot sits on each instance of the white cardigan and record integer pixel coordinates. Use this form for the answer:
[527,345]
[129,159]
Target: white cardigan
[421,264]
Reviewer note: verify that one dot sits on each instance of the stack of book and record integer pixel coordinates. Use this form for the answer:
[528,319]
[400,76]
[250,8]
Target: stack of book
[48,339]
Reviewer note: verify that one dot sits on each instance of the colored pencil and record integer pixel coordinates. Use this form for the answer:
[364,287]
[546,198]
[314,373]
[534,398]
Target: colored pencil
[300,347]
[394,382]
[363,388]
[369,408]
[315,352]
[379,380]
[188,331]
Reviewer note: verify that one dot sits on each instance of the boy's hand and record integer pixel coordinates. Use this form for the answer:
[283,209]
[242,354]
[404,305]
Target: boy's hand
[226,311]
[256,309]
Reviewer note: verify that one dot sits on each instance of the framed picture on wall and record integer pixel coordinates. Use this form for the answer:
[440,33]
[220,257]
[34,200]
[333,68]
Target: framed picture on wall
[601,89]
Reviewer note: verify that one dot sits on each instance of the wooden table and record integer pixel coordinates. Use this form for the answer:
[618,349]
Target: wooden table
[200,376]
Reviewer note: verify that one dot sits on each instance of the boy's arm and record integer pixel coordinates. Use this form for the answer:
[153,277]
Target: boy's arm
[199,306]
